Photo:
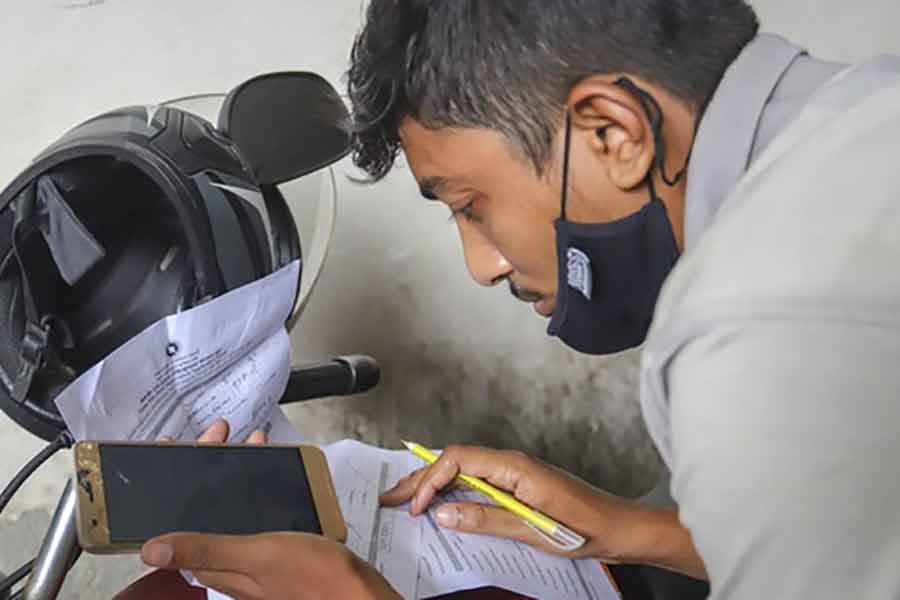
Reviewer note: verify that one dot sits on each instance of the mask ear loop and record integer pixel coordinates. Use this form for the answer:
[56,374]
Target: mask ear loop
[567,146]
[655,115]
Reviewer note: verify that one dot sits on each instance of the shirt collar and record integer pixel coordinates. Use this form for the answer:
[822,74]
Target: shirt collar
[727,131]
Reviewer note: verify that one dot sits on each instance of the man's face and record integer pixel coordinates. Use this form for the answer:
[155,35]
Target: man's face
[504,209]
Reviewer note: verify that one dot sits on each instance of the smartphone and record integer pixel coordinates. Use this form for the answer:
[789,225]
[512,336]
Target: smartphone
[130,492]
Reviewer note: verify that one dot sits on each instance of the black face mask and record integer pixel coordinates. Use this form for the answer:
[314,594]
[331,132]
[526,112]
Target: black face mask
[610,274]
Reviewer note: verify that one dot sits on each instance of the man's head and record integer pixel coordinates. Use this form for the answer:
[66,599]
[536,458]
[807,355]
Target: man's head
[475,93]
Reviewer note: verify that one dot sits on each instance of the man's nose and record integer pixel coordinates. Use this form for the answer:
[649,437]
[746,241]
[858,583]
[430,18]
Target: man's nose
[486,264]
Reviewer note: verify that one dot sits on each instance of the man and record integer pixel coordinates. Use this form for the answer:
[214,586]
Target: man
[591,151]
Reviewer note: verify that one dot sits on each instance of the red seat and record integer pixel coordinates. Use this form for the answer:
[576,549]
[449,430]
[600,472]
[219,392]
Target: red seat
[172,586]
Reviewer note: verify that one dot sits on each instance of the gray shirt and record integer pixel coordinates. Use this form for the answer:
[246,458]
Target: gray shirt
[771,376]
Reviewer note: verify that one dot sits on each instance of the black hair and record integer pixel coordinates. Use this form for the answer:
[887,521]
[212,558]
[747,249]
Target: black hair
[509,65]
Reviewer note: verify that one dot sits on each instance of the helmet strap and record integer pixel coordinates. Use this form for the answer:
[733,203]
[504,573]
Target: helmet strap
[41,207]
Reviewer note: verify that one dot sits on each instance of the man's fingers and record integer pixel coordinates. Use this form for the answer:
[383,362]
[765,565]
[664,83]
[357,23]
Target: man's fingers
[484,519]
[504,469]
[202,552]
[236,585]
[438,476]
[257,437]
[216,434]
[499,467]
[404,490]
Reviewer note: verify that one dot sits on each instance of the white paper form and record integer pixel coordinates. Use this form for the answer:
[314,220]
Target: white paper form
[448,561]
[386,538]
[451,561]
[228,358]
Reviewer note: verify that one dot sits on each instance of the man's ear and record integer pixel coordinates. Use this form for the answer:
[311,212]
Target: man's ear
[617,130]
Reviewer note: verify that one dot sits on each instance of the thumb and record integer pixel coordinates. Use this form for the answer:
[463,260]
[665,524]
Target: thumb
[198,552]
[485,519]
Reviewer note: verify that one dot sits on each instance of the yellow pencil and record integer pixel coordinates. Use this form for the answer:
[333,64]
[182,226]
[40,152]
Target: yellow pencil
[559,535]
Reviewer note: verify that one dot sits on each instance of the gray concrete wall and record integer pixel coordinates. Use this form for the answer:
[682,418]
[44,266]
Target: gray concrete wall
[461,363]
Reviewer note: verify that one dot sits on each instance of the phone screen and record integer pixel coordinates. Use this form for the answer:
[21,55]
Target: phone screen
[155,490]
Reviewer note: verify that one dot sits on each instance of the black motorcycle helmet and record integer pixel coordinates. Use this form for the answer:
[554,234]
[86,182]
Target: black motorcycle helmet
[143,212]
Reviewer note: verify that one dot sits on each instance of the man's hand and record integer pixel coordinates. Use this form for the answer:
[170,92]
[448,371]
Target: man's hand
[592,513]
[267,566]
[617,530]
[218,434]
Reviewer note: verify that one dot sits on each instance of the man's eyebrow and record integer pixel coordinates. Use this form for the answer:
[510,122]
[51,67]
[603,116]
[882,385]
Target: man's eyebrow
[431,187]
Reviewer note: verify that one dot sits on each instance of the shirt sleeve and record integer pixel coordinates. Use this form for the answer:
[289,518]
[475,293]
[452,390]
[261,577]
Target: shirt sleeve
[786,457]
